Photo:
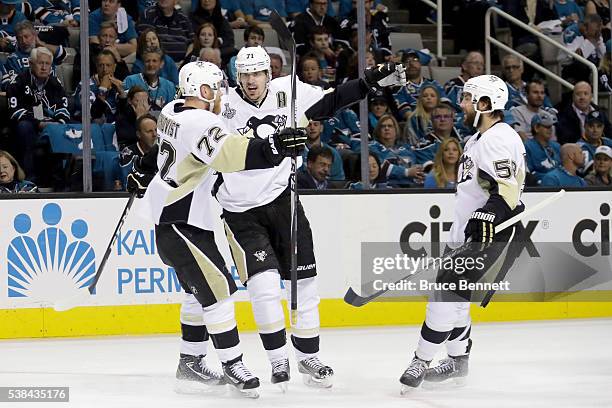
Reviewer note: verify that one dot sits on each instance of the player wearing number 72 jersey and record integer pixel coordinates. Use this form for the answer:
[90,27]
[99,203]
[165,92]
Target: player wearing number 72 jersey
[491,179]
[193,144]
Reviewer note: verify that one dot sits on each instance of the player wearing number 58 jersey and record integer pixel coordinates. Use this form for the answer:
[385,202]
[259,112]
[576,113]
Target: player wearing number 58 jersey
[490,182]
[193,144]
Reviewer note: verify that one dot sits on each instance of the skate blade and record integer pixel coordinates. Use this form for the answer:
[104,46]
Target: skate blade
[407,390]
[250,393]
[283,386]
[195,387]
[317,383]
[456,382]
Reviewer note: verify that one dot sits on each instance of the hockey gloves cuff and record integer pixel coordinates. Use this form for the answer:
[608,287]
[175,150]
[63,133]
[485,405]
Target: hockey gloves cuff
[387,74]
[288,142]
[138,180]
[481,226]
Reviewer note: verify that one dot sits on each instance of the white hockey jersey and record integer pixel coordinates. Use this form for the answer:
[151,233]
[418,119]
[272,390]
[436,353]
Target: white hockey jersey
[492,163]
[193,144]
[244,190]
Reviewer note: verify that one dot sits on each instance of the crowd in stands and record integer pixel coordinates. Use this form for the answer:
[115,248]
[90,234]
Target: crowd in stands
[416,132]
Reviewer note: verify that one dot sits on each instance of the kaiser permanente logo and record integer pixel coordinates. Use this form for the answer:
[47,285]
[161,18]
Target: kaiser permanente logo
[47,262]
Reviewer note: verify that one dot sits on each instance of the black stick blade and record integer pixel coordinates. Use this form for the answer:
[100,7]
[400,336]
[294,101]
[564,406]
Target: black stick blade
[284,35]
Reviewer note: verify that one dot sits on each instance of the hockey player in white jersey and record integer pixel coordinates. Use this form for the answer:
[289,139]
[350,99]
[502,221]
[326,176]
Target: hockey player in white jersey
[256,207]
[490,183]
[193,144]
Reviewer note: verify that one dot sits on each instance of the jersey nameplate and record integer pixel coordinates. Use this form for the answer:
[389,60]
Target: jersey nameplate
[167,126]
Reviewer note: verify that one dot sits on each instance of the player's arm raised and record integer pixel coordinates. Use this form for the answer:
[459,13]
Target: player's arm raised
[346,94]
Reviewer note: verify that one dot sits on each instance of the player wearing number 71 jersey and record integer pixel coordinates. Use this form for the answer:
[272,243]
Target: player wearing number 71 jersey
[193,144]
[490,183]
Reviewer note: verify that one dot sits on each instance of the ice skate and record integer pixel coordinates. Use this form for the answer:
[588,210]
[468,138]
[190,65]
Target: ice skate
[240,379]
[315,373]
[280,373]
[414,375]
[453,370]
[194,376]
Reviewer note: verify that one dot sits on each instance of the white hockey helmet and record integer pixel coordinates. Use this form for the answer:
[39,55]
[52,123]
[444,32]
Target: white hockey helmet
[195,74]
[490,86]
[252,59]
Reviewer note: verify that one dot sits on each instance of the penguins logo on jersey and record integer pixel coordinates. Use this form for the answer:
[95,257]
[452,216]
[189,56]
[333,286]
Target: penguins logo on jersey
[264,127]
[466,165]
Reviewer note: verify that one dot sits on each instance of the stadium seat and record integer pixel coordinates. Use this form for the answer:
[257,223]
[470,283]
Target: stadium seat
[443,74]
[185,6]
[64,73]
[400,41]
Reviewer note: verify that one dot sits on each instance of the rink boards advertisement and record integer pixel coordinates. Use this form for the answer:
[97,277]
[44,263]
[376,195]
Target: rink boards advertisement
[51,247]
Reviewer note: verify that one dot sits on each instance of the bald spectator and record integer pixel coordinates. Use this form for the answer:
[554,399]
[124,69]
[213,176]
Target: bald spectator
[472,66]
[212,55]
[565,176]
[523,114]
[572,116]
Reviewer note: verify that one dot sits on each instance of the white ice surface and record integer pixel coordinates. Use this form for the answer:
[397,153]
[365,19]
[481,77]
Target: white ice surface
[536,364]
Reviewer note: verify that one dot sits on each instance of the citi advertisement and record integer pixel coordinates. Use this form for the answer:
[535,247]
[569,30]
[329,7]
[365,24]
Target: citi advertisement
[50,248]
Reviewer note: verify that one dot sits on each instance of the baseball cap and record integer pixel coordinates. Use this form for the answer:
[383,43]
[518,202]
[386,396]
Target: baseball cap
[424,57]
[594,116]
[603,149]
[543,118]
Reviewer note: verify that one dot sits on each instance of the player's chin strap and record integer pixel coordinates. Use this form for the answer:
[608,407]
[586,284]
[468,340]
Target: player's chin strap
[478,113]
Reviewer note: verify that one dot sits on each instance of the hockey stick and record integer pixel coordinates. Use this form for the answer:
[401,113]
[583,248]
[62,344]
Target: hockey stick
[288,43]
[352,298]
[85,292]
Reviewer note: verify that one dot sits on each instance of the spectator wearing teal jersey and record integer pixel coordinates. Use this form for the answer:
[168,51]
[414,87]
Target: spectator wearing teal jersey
[543,153]
[403,170]
[148,38]
[565,176]
[160,90]
[593,137]
[108,11]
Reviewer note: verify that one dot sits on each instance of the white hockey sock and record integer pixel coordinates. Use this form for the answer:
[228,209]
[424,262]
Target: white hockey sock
[221,323]
[265,293]
[305,334]
[193,332]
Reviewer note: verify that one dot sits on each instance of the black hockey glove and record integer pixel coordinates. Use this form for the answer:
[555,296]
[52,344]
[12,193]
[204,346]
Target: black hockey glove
[142,173]
[387,74]
[289,142]
[481,226]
